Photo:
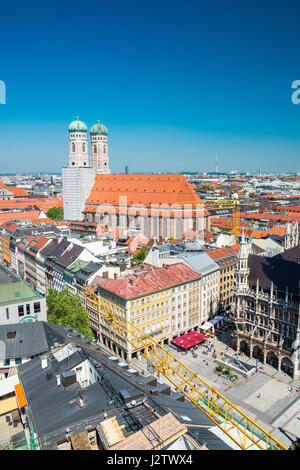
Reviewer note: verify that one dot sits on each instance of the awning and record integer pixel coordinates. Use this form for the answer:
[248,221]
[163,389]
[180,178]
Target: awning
[20,395]
[189,340]
[210,323]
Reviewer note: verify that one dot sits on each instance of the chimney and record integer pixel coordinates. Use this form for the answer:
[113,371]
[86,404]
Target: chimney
[115,276]
[105,275]
[44,362]
[58,380]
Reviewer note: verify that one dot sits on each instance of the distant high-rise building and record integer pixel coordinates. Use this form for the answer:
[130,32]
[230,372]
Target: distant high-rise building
[217,164]
[126,169]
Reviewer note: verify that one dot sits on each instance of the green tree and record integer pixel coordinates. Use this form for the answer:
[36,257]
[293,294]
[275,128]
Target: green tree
[65,309]
[56,213]
[140,256]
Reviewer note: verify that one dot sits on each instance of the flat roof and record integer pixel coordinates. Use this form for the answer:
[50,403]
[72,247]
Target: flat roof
[6,276]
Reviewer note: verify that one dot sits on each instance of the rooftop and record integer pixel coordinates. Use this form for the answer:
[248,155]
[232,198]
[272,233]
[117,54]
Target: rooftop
[13,289]
[53,408]
[283,274]
[28,339]
[142,189]
[199,262]
[147,279]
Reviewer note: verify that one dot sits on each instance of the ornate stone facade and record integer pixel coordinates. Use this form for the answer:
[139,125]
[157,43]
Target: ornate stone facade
[266,311]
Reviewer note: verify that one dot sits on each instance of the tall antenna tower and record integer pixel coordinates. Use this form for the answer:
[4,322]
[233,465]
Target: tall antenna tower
[217,164]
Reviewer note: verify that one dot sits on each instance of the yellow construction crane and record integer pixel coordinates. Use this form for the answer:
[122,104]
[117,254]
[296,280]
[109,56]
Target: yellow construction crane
[229,418]
[236,219]
[228,204]
[219,204]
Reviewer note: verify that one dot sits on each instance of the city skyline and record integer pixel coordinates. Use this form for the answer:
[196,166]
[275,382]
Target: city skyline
[174,89]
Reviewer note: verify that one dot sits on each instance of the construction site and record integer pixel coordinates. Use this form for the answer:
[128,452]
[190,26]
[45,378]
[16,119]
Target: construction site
[81,397]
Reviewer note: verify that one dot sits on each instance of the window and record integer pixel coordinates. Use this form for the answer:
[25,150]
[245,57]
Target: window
[11,334]
[21,310]
[18,361]
[73,148]
[7,314]
[27,309]
[95,149]
[6,362]
[37,307]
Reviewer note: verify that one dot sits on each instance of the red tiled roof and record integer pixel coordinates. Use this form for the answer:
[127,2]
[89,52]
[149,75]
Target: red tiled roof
[208,236]
[9,227]
[288,208]
[277,217]
[25,215]
[45,220]
[235,248]
[258,234]
[277,230]
[223,256]
[149,279]
[44,204]
[221,222]
[19,192]
[143,189]
[2,185]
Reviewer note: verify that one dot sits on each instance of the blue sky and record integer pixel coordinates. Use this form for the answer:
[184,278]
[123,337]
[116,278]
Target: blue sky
[175,83]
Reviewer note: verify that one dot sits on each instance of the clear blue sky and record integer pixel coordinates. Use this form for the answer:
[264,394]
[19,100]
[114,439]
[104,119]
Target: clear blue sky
[175,82]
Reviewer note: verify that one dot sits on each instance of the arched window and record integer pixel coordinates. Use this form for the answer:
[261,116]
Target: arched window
[73,147]
[104,148]
[83,147]
[95,149]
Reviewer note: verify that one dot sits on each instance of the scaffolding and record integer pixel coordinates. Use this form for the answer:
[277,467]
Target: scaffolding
[240,428]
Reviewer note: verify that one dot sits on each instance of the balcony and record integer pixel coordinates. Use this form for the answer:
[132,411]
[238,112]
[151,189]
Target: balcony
[237,320]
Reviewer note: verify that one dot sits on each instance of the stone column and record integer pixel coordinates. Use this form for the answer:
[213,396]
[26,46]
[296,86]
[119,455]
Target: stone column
[129,357]
[265,355]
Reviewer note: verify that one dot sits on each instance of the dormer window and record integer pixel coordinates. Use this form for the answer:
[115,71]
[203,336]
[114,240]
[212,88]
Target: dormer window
[11,334]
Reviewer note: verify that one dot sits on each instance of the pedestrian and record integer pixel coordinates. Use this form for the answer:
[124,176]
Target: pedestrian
[259,395]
